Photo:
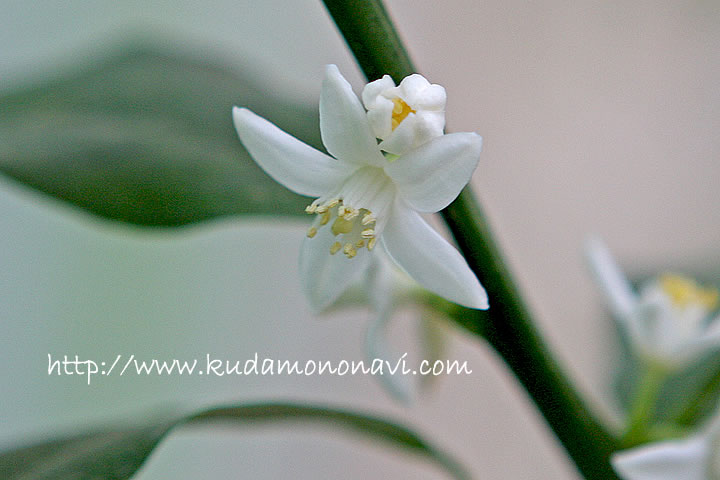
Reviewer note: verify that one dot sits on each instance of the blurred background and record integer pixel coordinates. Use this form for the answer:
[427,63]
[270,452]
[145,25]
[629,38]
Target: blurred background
[597,117]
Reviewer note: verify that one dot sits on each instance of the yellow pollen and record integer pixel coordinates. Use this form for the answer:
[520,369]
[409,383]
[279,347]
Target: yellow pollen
[360,243]
[400,111]
[684,292]
[368,218]
[325,218]
[321,209]
[335,247]
[311,208]
[371,243]
[312,231]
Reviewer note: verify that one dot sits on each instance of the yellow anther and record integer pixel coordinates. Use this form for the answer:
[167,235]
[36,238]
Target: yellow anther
[340,225]
[325,218]
[335,247]
[684,292]
[349,250]
[368,219]
[400,111]
[351,213]
[354,227]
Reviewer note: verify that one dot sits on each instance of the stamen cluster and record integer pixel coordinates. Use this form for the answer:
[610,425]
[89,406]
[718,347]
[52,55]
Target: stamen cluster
[354,228]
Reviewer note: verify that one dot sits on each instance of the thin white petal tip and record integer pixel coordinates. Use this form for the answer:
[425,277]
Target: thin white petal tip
[239,113]
[332,69]
[481,301]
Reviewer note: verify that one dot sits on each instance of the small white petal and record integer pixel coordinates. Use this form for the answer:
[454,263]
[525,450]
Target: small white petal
[381,293]
[644,328]
[430,125]
[615,285]
[343,123]
[704,341]
[380,117]
[403,138]
[296,165]
[430,259]
[325,277]
[433,98]
[432,175]
[376,347]
[412,89]
[371,94]
[672,460]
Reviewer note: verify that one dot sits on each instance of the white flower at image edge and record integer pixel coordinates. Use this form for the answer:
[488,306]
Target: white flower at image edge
[669,321]
[694,458]
[365,198]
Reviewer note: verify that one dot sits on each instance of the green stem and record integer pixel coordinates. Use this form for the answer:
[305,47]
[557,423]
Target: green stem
[369,33]
[643,405]
[507,326]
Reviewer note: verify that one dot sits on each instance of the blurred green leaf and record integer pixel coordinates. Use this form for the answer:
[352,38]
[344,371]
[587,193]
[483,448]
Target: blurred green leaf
[118,454]
[107,455]
[147,138]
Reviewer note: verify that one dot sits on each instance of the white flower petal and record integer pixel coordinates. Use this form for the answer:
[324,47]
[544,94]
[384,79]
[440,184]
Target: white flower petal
[434,99]
[412,89]
[381,293]
[705,341]
[371,94]
[325,277]
[343,123]
[432,175]
[673,460]
[430,125]
[286,159]
[376,347]
[403,138]
[614,284]
[430,260]
[380,117]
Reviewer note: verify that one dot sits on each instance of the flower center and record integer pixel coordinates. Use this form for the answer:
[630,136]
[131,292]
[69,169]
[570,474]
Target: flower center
[400,111]
[684,292]
[353,228]
[357,212]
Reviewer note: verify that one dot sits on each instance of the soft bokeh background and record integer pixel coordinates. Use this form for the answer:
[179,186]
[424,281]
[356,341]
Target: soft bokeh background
[598,116]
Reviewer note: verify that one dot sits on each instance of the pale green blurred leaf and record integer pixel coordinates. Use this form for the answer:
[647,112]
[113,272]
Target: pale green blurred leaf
[118,454]
[147,138]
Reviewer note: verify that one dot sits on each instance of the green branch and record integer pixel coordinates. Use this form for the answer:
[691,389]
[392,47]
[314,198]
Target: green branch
[507,326]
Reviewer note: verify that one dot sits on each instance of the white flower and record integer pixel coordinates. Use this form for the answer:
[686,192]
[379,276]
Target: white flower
[694,458]
[668,322]
[406,116]
[365,198]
